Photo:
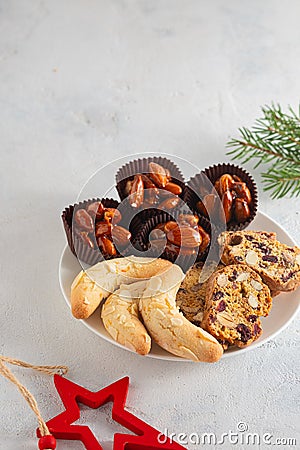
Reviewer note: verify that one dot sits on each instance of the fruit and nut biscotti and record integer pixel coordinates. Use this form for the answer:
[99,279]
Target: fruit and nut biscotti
[191,296]
[277,263]
[235,298]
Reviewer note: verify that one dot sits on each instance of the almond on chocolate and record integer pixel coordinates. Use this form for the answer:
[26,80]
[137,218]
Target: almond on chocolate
[158,174]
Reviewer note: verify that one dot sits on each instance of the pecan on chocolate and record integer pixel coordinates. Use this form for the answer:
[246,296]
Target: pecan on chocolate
[96,210]
[205,239]
[169,203]
[157,234]
[168,175]
[174,188]
[236,198]
[227,202]
[226,183]
[107,245]
[241,210]
[158,174]
[208,205]
[236,178]
[169,226]
[84,220]
[136,197]
[148,183]
[242,191]
[188,219]
[184,236]
[151,192]
[128,187]
[103,228]
[112,215]
[85,238]
[120,236]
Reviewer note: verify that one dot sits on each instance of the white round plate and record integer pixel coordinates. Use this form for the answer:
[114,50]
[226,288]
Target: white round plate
[284,309]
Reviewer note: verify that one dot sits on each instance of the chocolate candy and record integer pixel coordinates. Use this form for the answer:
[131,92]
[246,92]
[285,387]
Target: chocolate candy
[154,189]
[98,226]
[235,197]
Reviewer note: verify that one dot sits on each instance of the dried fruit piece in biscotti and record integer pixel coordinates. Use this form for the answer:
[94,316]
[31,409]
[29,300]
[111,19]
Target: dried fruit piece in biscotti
[278,264]
[236,297]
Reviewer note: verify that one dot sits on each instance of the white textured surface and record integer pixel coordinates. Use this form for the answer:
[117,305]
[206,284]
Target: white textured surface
[82,83]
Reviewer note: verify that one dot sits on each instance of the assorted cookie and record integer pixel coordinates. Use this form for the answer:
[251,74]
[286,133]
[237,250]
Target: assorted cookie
[168,326]
[191,295]
[229,305]
[196,315]
[278,264]
[93,285]
[235,299]
[138,306]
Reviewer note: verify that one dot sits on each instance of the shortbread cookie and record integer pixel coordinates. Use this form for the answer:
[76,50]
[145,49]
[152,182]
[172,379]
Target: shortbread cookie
[236,297]
[278,264]
[95,284]
[162,320]
[168,326]
[121,319]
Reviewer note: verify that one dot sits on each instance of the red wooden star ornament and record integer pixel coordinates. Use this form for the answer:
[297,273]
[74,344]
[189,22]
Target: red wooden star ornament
[145,438]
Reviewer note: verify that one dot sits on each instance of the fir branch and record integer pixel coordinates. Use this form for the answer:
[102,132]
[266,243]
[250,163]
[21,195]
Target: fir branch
[274,140]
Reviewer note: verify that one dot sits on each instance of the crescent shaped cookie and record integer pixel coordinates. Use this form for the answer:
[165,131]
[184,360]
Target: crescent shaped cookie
[95,284]
[120,316]
[168,327]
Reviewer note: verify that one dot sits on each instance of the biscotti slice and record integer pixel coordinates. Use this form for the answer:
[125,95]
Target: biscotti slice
[278,264]
[190,297]
[236,297]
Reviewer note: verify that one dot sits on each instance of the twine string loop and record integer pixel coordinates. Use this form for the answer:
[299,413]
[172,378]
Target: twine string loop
[49,370]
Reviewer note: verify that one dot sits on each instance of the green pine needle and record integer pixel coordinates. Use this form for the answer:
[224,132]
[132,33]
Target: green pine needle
[274,140]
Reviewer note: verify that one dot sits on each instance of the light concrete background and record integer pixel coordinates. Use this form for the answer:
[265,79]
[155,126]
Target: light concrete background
[85,82]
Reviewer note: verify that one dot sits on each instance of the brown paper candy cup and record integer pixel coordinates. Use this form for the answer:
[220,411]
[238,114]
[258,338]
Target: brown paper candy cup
[80,249]
[200,185]
[141,165]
